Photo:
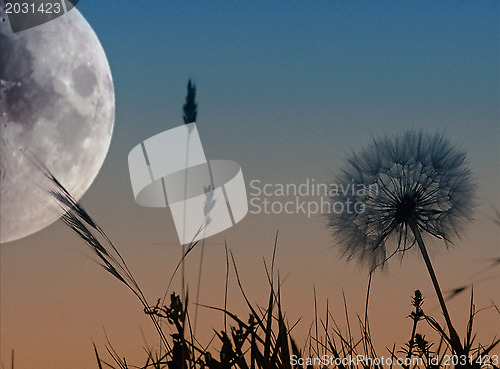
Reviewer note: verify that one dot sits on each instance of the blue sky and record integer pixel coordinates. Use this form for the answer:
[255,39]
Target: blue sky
[325,59]
[301,82]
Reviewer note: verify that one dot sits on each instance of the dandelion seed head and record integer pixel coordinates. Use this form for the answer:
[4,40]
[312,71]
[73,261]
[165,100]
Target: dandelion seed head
[414,179]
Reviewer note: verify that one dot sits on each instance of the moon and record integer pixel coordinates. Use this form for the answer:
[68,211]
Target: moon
[57,105]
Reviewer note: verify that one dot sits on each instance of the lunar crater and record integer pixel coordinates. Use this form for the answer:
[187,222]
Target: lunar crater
[84,80]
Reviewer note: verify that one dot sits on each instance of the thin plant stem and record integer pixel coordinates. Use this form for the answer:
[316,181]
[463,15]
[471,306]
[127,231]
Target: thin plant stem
[226,284]
[415,316]
[198,288]
[411,342]
[183,294]
[455,340]
[367,299]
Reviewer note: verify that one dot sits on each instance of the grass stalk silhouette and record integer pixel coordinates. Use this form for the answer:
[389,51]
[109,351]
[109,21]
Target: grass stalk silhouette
[74,215]
[190,109]
[190,112]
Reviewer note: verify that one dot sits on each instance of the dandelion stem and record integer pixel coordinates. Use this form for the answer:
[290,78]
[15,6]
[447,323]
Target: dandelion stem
[454,339]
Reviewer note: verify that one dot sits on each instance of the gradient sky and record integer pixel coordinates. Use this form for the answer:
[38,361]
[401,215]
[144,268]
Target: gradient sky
[286,89]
